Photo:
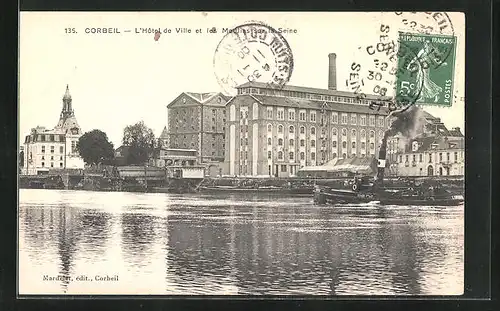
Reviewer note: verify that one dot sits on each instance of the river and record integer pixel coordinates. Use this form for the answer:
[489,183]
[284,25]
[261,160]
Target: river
[83,242]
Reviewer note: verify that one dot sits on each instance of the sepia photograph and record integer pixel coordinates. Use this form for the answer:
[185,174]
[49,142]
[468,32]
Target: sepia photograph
[241,153]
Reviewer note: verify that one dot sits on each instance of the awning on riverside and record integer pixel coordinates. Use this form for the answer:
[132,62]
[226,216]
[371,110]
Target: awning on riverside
[355,165]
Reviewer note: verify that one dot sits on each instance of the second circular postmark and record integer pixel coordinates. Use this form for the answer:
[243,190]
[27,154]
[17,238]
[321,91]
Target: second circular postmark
[252,52]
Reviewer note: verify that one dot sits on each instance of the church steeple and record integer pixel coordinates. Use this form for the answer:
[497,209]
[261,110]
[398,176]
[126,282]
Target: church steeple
[67,108]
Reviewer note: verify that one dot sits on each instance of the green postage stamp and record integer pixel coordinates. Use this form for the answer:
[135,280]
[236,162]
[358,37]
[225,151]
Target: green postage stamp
[426,68]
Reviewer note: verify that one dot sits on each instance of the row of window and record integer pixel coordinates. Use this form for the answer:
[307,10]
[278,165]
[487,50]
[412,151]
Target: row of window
[302,143]
[297,94]
[44,137]
[291,155]
[302,130]
[280,115]
[51,158]
[52,149]
[52,164]
[430,157]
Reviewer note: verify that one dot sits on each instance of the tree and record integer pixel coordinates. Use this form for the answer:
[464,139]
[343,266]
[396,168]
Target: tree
[141,142]
[94,147]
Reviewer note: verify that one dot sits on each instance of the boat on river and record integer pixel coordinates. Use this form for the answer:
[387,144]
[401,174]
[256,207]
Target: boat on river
[362,192]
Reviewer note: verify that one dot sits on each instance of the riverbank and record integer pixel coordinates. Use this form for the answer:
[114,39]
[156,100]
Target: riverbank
[291,185]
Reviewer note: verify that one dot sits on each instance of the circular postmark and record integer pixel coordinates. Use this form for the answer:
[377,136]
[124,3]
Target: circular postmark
[395,64]
[252,52]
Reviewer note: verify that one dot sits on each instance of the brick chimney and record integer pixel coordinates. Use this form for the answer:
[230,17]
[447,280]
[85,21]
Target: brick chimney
[332,71]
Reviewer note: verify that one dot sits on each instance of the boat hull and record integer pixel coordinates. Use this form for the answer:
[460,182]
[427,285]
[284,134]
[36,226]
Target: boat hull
[335,196]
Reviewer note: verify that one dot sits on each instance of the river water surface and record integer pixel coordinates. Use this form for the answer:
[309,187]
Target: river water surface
[82,242]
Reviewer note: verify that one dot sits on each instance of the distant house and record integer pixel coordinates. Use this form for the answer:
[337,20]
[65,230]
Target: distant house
[431,155]
[121,154]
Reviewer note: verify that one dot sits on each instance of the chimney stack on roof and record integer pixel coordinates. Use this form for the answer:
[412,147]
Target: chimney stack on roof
[332,71]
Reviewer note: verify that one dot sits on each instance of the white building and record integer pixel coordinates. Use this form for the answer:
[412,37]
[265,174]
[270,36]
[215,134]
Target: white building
[55,149]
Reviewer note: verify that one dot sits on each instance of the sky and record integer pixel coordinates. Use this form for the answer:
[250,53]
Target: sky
[119,79]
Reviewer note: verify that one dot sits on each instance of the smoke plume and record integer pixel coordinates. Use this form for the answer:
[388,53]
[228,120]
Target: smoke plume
[407,123]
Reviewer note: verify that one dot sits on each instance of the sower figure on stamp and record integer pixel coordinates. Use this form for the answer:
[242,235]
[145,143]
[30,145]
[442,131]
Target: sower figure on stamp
[423,59]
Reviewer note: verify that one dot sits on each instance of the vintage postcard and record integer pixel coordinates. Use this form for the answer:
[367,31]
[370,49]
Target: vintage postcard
[241,153]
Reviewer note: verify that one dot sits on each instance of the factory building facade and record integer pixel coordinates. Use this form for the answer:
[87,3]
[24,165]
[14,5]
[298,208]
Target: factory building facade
[275,132]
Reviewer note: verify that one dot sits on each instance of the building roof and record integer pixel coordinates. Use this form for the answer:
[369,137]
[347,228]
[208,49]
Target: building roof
[355,165]
[311,90]
[203,98]
[307,104]
[427,143]
[164,133]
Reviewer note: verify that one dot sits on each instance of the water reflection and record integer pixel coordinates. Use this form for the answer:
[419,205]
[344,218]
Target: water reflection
[243,245]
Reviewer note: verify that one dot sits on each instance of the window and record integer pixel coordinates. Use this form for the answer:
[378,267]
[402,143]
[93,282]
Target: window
[51,137]
[344,132]
[335,117]
[323,155]
[280,142]
[334,132]
[313,156]
[334,144]
[353,119]
[407,158]
[269,154]
[363,133]
[73,146]
[363,145]
[269,128]
[344,118]
[43,137]
[60,165]
[372,120]
[344,144]
[353,133]
[291,155]
[362,120]
[291,142]
[283,168]
[52,158]
[269,141]
[280,128]
[281,114]
[270,113]
[381,121]
[246,114]
[43,149]
[291,129]
[430,157]
[313,143]
[313,117]
[400,159]
[291,115]
[302,130]
[43,157]
[280,155]
[420,158]
[61,149]
[440,157]
[372,134]
[414,158]
[448,157]
[302,142]
[313,131]
[302,116]
[353,145]
[302,155]
[241,114]
[372,146]
[344,155]
[334,155]
[43,164]
[455,156]
[51,164]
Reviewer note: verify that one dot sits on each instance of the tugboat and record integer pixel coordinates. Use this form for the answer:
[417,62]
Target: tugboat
[367,189]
